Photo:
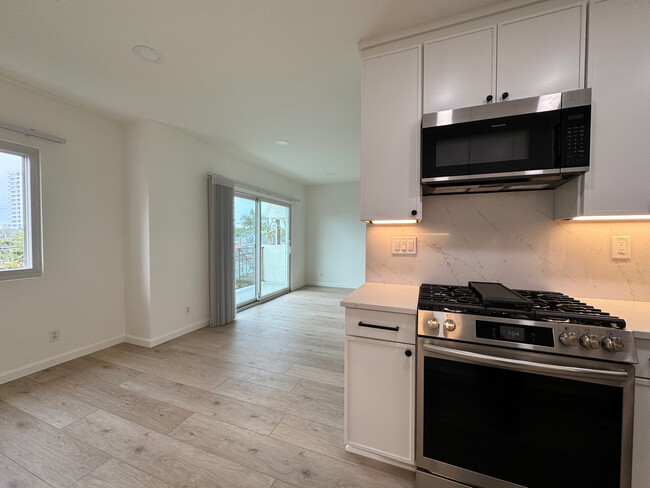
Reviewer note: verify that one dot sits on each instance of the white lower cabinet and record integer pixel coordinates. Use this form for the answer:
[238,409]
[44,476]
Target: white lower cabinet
[380,399]
[641,451]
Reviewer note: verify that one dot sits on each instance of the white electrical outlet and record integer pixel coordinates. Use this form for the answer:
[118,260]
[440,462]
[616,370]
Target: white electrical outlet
[187,310]
[404,245]
[55,335]
[621,247]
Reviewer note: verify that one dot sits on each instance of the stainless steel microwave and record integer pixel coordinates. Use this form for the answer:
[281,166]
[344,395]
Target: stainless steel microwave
[528,144]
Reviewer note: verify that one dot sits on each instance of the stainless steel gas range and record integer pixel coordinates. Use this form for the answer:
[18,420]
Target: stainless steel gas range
[520,388]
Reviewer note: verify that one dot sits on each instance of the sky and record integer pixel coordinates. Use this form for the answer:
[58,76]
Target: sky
[8,162]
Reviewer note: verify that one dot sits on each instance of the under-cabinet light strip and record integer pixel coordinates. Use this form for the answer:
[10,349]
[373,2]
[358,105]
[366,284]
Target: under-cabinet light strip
[412,221]
[595,218]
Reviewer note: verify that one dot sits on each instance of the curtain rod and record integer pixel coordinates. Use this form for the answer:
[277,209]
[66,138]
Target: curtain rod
[31,133]
[258,189]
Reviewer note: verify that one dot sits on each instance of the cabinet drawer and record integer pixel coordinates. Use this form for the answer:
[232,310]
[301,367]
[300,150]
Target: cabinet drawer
[643,351]
[388,326]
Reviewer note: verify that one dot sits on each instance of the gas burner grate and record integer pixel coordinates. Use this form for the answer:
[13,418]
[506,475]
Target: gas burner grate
[546,306]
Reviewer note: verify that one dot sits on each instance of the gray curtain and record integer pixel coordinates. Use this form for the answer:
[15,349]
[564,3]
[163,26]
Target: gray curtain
[221,202]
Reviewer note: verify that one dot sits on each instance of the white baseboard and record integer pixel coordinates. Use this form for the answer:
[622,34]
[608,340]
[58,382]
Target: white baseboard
[298,286]
[334,285]
[61,358]
[144,342]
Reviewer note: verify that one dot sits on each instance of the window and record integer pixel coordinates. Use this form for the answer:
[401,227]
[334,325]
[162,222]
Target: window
[20,212]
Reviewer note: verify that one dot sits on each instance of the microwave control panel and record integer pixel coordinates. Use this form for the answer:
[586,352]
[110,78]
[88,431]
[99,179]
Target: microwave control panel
[576,125]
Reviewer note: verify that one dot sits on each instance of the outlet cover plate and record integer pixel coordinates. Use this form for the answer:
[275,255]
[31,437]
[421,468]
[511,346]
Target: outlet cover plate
[621,248]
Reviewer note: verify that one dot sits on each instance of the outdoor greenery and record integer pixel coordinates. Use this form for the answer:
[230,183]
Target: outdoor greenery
[11,248]
[270,228]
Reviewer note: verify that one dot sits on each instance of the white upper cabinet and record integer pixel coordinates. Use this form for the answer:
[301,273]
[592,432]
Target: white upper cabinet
[619,75]
[526,57]
[542,54]
[459,71]
[390,136]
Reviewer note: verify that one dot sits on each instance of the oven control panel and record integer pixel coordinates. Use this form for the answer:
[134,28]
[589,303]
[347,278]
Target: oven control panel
[540,336]
[593,342]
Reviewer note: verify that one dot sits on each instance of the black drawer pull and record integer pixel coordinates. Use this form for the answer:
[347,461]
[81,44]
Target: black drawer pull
[383,327]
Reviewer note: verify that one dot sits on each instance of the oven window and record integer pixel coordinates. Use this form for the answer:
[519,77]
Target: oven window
[529,429]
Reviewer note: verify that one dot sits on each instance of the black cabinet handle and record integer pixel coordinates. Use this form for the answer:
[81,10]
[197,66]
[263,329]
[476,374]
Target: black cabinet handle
[383,327]
[408,353]
[505,95]
[489,98]
[414,212]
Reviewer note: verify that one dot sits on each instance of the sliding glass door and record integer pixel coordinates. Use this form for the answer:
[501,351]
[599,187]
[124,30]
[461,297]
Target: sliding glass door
[261,248]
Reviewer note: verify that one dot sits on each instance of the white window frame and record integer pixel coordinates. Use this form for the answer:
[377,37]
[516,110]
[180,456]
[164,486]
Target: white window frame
[32,232]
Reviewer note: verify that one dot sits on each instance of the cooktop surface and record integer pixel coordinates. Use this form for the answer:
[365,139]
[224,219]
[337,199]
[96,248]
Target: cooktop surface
[494,299]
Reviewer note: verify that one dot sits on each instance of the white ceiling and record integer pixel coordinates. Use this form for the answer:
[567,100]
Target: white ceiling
[239,73]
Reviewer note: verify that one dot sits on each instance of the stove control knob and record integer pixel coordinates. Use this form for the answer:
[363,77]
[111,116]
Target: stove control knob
[613,344]
[433,323]
[569,338]
[589,341]
[450,325]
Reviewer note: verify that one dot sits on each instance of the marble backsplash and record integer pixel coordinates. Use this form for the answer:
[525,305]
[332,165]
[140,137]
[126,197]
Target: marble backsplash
[512,238]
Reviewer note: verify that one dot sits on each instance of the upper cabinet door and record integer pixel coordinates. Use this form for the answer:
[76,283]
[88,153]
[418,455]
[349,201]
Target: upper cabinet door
[459,71]
[619,74]
[542,54]
[390,136]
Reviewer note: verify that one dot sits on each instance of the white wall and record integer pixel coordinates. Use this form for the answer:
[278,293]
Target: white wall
[335,236]
[167,266]
[512,238]
[82,287]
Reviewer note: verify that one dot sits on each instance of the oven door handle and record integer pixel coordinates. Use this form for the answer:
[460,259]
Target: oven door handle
[567,371]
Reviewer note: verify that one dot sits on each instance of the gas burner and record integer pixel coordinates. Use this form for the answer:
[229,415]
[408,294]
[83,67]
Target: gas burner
[556,320]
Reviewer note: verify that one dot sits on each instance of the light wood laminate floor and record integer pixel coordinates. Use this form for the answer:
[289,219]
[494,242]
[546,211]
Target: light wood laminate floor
[254,404]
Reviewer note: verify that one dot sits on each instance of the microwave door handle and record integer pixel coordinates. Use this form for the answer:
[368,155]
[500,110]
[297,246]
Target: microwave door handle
[507,363]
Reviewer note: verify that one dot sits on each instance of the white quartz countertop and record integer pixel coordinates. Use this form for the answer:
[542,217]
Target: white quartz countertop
[635,314]
[384,297]
[404,299]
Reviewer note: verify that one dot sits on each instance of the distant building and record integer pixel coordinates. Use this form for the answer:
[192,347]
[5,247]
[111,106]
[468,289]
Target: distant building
[15,189]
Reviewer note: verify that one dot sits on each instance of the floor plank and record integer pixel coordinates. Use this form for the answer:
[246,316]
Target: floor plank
[163,457]
[184,374]
[116,474]
[45,451]
[257,418]
[328,441]
[317,374]
[276,458]
[216,366]
[86,368]
[322,410]
[44,402]
[141,409]
[13,476]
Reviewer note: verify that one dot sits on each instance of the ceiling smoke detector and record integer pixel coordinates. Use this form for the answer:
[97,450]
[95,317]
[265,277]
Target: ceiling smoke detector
[282,143]
[147,53]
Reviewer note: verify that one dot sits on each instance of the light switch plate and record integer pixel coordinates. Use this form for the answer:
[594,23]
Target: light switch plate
[404,245]
[621,247]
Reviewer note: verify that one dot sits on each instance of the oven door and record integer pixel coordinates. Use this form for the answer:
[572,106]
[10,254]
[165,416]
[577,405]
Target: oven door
[512,145]
[493,417]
